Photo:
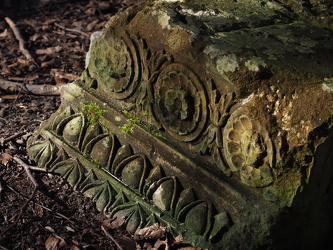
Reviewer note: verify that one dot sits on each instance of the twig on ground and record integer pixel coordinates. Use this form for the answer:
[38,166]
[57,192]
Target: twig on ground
[3,248]
[33,180]
[44,89]
[18,36]
[1,188]
[71,30]
[10,138]
[46,208]
[27,170]
[111,237]
[38,169]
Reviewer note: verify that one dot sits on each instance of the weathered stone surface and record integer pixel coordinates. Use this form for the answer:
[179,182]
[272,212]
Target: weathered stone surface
[214,117]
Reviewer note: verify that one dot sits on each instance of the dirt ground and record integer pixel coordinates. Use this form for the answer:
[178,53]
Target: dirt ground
[57,217]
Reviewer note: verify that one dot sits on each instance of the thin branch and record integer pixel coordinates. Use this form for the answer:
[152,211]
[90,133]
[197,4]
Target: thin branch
[33,180]
[1,189]
[18,36]
[27,170]
[3,248]
[44,89]
[71,30]
[111,237]
[46,208]
[38,169]
[10,138]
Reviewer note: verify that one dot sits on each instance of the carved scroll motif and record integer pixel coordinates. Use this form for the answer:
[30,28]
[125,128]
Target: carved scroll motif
[121,182]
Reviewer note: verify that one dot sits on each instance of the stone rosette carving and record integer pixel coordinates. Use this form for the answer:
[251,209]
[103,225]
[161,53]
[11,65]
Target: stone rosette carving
[248,149]
[121,182]
[180,102]
[115,65]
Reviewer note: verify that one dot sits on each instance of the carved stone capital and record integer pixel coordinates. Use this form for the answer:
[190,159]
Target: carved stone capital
[212,117]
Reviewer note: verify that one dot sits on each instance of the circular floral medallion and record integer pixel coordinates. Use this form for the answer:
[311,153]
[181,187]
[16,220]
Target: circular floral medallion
[180,102]
[248,149]
[114,64]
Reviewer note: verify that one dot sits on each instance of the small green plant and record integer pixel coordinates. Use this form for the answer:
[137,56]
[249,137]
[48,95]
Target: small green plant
[88,157]
[93,113]
[128,128]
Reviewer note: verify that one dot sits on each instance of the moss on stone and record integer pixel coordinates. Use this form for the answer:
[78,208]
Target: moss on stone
[132,120]
[93,113]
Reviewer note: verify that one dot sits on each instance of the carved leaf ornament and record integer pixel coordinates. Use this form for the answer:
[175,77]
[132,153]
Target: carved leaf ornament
[121,182]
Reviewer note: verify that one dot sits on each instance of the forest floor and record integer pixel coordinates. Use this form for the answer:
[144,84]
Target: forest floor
[57,217]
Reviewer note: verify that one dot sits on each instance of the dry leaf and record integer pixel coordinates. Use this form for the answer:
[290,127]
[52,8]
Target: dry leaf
[126,242]
[179,239]
[23,79]
[4,34]
[9,97]
[74,248]
[35,37]
[51,63]
[152,232]
[146,246]
[189,248]
[38,210]
[69,229]
[5,158]
[114,223]
[91,25]
[59,81]
[23,61]
[50,229]
[26,136]
[103,5]
[48,51]
[160,243]
[55,243]
[67,76]
[50,21]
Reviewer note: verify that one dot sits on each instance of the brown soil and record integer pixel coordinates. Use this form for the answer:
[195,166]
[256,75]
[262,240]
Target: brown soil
[58,217]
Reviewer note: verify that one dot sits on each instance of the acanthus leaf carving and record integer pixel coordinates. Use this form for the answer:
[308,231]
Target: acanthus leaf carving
[219,107]
[71,170]
[133,188]
[152,63]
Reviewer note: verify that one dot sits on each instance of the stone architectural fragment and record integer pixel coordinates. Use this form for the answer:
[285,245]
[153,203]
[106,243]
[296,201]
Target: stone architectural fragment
[212,117]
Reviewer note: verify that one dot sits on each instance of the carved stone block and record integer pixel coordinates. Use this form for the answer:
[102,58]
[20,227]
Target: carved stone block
[211,117]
